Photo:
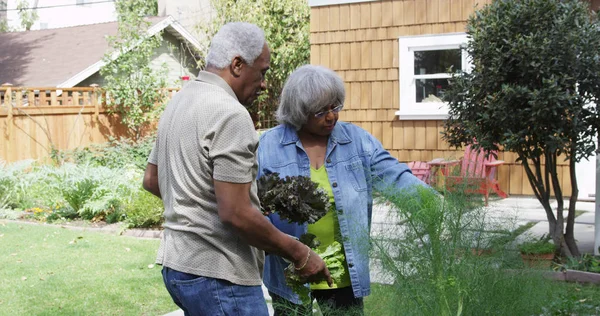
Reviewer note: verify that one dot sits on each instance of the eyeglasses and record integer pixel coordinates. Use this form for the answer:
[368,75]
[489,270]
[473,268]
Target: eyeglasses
[334,110]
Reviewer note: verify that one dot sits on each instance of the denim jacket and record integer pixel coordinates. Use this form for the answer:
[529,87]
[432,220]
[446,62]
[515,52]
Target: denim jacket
[356,163]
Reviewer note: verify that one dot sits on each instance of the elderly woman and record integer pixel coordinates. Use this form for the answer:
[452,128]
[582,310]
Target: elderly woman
[347,162]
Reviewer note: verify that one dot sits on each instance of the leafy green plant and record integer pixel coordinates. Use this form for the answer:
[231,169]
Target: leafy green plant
[541,245]
[115,154]
[334,258]
[27,15]
[427,258]
[78,193]
[144,210]
[4,26]
[575,299]
[10,190]
[535,72]
[68,191]
[62,212]
[587,262]
[296,199]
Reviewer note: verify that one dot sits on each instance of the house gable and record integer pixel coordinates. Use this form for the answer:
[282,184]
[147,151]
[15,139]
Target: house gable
[172,52]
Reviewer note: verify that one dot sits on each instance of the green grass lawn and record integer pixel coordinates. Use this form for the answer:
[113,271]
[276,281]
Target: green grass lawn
[48,270]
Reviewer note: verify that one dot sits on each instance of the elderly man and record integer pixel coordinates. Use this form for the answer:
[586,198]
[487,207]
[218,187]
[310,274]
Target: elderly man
[203,166]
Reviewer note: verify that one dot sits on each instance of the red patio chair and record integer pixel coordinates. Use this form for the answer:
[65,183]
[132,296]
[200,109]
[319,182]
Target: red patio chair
[476,169]
[420,169]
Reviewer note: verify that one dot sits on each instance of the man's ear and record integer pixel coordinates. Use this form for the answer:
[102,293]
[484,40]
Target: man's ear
[236,66]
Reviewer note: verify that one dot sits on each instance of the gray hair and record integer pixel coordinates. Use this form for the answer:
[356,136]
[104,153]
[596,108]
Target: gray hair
[235,39]
[309,89]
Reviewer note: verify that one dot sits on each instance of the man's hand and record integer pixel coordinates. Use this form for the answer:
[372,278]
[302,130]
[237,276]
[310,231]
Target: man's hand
[236,210]
[314,269]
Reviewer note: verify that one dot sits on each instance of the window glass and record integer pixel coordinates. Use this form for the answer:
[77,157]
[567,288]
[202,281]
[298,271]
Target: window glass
[430,90]
[437,61]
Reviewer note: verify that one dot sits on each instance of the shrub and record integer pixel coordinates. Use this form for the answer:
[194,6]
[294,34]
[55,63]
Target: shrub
[115,154]
[62,212]
[428,259]
[78,193]
[536,246]
[587,262]
[88,191]
[535,74]
[12,187]
[144,210]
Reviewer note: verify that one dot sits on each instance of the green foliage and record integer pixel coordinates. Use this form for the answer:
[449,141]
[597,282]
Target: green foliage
[115,154]
[428,259]
[536,68]
[62,191]
[86,191]
[528,56]
[334,258]
[587,262]
[78,193]
[541,245]
[26,15]
[4,26]
[134,89]
[12,187]
[296,199]
[144,210]
[286,26]
[575,299]
[62,212]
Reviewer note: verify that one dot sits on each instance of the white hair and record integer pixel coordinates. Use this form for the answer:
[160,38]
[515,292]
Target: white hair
[309,89]
[235,39]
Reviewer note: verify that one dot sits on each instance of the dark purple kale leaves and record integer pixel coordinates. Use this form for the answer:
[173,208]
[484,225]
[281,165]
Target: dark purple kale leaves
[296,199]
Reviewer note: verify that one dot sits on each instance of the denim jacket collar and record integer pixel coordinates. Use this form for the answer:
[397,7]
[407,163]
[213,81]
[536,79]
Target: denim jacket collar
[338,136]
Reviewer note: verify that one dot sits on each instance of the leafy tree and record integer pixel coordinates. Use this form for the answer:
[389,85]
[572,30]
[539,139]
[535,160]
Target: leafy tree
[134,89]
[4,26]
[286,26]
[27,15]
[536,68]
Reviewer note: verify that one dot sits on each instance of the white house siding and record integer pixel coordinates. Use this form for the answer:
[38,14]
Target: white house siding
[179,62]
[178,59]
[63,13]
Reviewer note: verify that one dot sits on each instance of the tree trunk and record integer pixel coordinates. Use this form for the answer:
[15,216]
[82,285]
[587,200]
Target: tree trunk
[570,231]
[542,183]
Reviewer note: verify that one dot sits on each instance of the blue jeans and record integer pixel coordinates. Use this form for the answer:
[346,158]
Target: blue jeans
[197,295]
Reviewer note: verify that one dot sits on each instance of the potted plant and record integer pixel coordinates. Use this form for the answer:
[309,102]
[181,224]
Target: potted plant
[538,252]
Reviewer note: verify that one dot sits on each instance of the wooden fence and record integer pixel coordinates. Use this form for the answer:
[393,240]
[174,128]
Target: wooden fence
[35,120]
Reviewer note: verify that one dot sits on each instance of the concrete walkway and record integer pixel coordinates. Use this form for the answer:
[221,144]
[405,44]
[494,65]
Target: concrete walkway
[512,211]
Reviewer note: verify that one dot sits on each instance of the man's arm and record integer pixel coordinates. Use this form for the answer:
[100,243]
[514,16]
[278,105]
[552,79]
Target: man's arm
[150,182]
[236,210]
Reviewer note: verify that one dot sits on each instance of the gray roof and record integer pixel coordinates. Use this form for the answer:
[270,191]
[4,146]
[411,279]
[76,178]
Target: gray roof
[62,57]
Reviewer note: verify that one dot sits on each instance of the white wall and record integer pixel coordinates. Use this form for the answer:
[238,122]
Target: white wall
[179,63]
[64,13]
[586,173]
[188,13]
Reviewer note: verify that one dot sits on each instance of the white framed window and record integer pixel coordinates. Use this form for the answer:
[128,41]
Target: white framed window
[424,63]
